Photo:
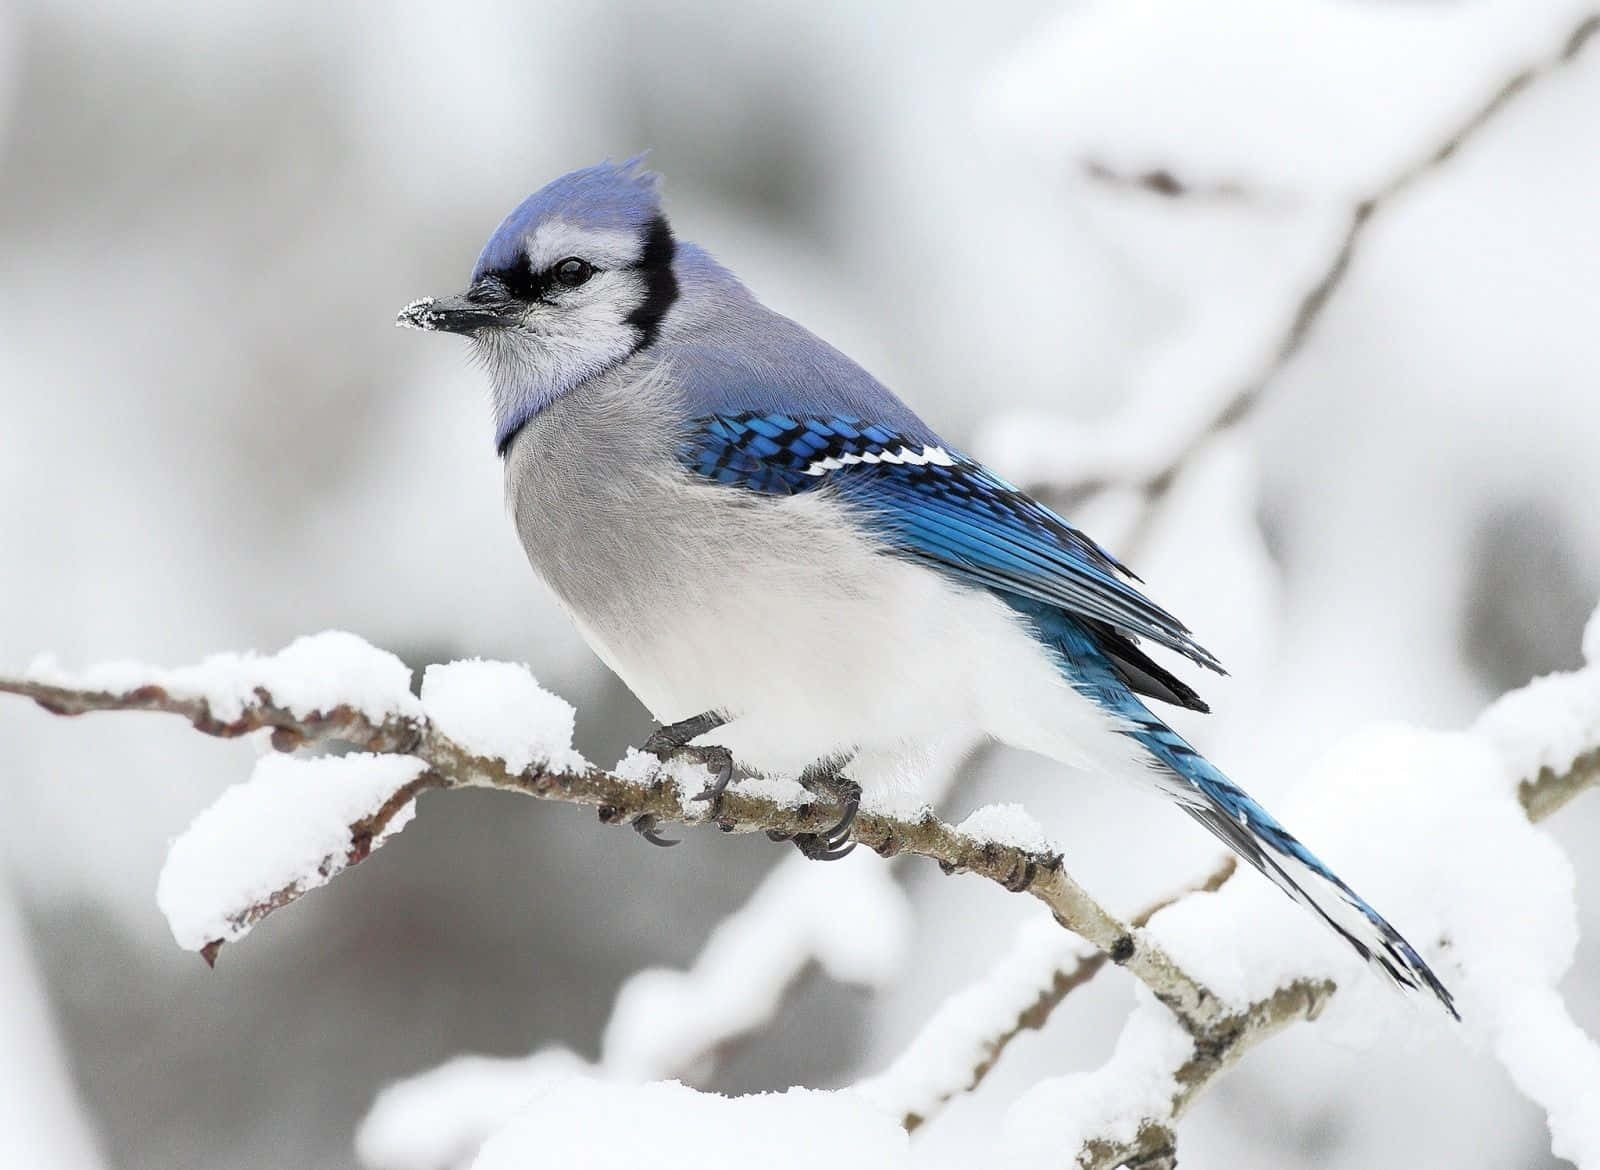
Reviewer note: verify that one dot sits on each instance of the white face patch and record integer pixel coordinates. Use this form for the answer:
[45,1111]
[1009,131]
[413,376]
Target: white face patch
[580,333]
[938,456]
[556,239]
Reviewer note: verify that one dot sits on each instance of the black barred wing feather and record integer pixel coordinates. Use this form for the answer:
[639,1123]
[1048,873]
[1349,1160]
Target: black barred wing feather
[938,506]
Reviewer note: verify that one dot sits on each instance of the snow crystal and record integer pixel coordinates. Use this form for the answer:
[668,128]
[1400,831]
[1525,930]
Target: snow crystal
[287,827]
[959,1036]
[440,1118]
[314,673]
[498,709]
[669,1126]
[849,916]
[1006,824]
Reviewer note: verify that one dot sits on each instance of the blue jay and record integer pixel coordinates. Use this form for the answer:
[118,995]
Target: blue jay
[762,540]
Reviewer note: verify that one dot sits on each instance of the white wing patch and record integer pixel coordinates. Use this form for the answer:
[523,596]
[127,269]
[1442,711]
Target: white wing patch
[935,455]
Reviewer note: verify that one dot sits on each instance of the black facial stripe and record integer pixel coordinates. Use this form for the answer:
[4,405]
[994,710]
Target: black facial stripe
[520,280]
[661,286]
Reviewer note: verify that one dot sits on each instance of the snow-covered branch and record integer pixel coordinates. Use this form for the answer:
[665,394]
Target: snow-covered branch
[1529,753]
[299,821]
[966,1037]
[480,724]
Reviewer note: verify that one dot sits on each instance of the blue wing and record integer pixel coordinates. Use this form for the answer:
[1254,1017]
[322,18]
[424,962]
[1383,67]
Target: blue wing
[937,506]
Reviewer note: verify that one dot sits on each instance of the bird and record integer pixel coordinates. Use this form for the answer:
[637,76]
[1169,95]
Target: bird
[765,543]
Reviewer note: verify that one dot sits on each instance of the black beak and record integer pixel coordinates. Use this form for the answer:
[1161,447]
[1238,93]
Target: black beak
[453,314]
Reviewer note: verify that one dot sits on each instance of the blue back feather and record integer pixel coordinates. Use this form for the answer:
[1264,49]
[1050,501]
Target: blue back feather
[951,512]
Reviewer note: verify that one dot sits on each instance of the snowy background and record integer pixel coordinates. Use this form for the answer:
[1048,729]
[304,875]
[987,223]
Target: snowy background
[215,439]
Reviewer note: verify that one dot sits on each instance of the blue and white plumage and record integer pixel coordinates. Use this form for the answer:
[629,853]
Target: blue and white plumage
[741,520]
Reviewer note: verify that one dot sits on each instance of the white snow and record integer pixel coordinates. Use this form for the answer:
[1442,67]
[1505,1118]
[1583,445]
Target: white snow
[1051,1121]
[440,1119]
[286,828]
[601,1125]
[940,1061]
[313,673]
[499,709]
[848,916]
[1427,827]
[1006,824]
[1546,724]
[1554,1063]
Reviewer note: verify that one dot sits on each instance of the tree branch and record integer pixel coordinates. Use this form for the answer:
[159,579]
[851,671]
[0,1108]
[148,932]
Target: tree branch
[624,799]
[1153,479]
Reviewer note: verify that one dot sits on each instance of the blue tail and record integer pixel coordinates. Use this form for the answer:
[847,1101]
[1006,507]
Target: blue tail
[1228,811]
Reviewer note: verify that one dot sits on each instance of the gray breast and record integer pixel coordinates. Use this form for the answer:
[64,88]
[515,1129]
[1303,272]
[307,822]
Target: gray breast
[606,513]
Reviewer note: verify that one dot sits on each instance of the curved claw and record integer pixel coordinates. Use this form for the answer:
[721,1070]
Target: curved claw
[849,795]
[645,825]
[816,847]
[720,762]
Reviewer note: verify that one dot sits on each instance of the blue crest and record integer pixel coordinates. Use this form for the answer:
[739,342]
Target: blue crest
[608,196]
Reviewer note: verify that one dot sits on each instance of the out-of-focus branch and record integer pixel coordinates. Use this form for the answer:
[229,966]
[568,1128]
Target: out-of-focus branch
[942,1033]
[1549,791]
[1302,999]
[904,1089]
[1153,479]
[1154,1144]
[622,799]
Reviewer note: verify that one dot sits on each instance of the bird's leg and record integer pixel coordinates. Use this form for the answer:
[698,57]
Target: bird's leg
[671,738]
[672,742]
[827,778]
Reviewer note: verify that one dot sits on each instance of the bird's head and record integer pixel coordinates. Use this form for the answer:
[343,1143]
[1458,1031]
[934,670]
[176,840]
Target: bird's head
[575,280]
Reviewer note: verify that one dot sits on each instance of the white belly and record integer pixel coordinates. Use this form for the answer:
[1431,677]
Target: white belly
[776,611]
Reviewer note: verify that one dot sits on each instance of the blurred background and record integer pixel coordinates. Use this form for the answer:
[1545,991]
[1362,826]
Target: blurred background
[214,439]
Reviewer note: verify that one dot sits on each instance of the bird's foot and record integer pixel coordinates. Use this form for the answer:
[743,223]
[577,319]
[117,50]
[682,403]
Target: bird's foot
[827,779]
[645,825]
[671,742]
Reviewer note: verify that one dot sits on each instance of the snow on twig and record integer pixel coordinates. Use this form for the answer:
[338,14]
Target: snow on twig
[850,919]
[551,770]
[969,1033]
[1444,824]
[1215,984]
[602,1125]
[290,828]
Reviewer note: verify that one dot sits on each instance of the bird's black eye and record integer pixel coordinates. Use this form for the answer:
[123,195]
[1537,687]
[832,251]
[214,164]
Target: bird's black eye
[572,272]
